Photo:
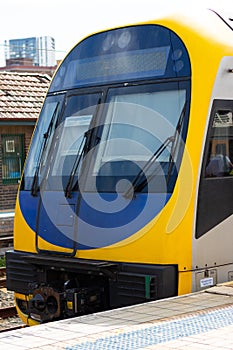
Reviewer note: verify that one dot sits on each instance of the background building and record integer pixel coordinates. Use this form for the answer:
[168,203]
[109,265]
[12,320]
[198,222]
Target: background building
[21,99]
[41,50]
[25,65]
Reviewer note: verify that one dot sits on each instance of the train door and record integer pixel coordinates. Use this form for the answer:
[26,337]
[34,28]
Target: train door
[56,218]
[215,200]
[213,239]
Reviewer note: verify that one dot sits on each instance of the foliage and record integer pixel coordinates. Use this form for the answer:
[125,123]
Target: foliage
[2,261]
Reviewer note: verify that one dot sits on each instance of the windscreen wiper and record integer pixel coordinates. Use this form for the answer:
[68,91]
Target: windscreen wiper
[137,185]
[78,158]
[35,187]
[84,148]
[176,140]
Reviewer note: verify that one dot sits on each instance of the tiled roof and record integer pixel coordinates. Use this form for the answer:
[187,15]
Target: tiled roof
[22,95]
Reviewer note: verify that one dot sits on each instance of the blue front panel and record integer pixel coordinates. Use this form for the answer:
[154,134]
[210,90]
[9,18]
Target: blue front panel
[29,207]
[97,221]
[56,219]
[107,219]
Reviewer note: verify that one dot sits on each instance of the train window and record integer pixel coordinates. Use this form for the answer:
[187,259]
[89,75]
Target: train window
[71,133]
[215,190]
[124,54]
[220,152]
[41,141]
[130,136]
[69,138]
[138,123]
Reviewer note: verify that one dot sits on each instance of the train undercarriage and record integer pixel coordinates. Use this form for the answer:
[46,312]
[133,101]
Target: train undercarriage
[56,287]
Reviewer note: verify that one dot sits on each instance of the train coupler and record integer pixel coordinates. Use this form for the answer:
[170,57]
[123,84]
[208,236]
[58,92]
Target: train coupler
[47,303]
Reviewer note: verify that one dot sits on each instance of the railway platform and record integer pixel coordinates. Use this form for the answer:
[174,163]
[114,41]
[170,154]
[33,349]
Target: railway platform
[203,320]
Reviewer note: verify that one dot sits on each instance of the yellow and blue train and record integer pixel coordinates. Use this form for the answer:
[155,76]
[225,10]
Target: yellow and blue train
[116,205]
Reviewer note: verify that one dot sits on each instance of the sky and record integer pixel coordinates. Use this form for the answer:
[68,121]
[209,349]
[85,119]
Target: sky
[68,21]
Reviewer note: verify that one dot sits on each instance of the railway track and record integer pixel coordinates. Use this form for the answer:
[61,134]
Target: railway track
[6,241]
[2,277]
[9,319]
[13,328]
[9,311]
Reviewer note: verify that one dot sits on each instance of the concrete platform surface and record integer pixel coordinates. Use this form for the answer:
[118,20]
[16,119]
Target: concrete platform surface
[202,320]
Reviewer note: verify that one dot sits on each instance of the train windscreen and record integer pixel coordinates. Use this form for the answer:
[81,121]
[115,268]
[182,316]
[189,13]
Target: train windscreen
[125,54]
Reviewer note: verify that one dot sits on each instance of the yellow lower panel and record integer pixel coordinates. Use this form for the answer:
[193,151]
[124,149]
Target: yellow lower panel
[24,236]
[44,245]
[24,317]
[185,283]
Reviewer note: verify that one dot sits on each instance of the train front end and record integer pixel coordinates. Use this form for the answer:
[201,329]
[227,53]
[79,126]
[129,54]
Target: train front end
[104,213]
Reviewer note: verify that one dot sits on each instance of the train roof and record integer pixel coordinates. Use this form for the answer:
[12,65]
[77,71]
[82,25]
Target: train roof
[200,19]
[204,22]
[206,33]
[210,23]
[226,16]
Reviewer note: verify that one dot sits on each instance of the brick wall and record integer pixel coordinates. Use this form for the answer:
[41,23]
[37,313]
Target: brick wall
[6,233]
[8,192]
[6,226]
